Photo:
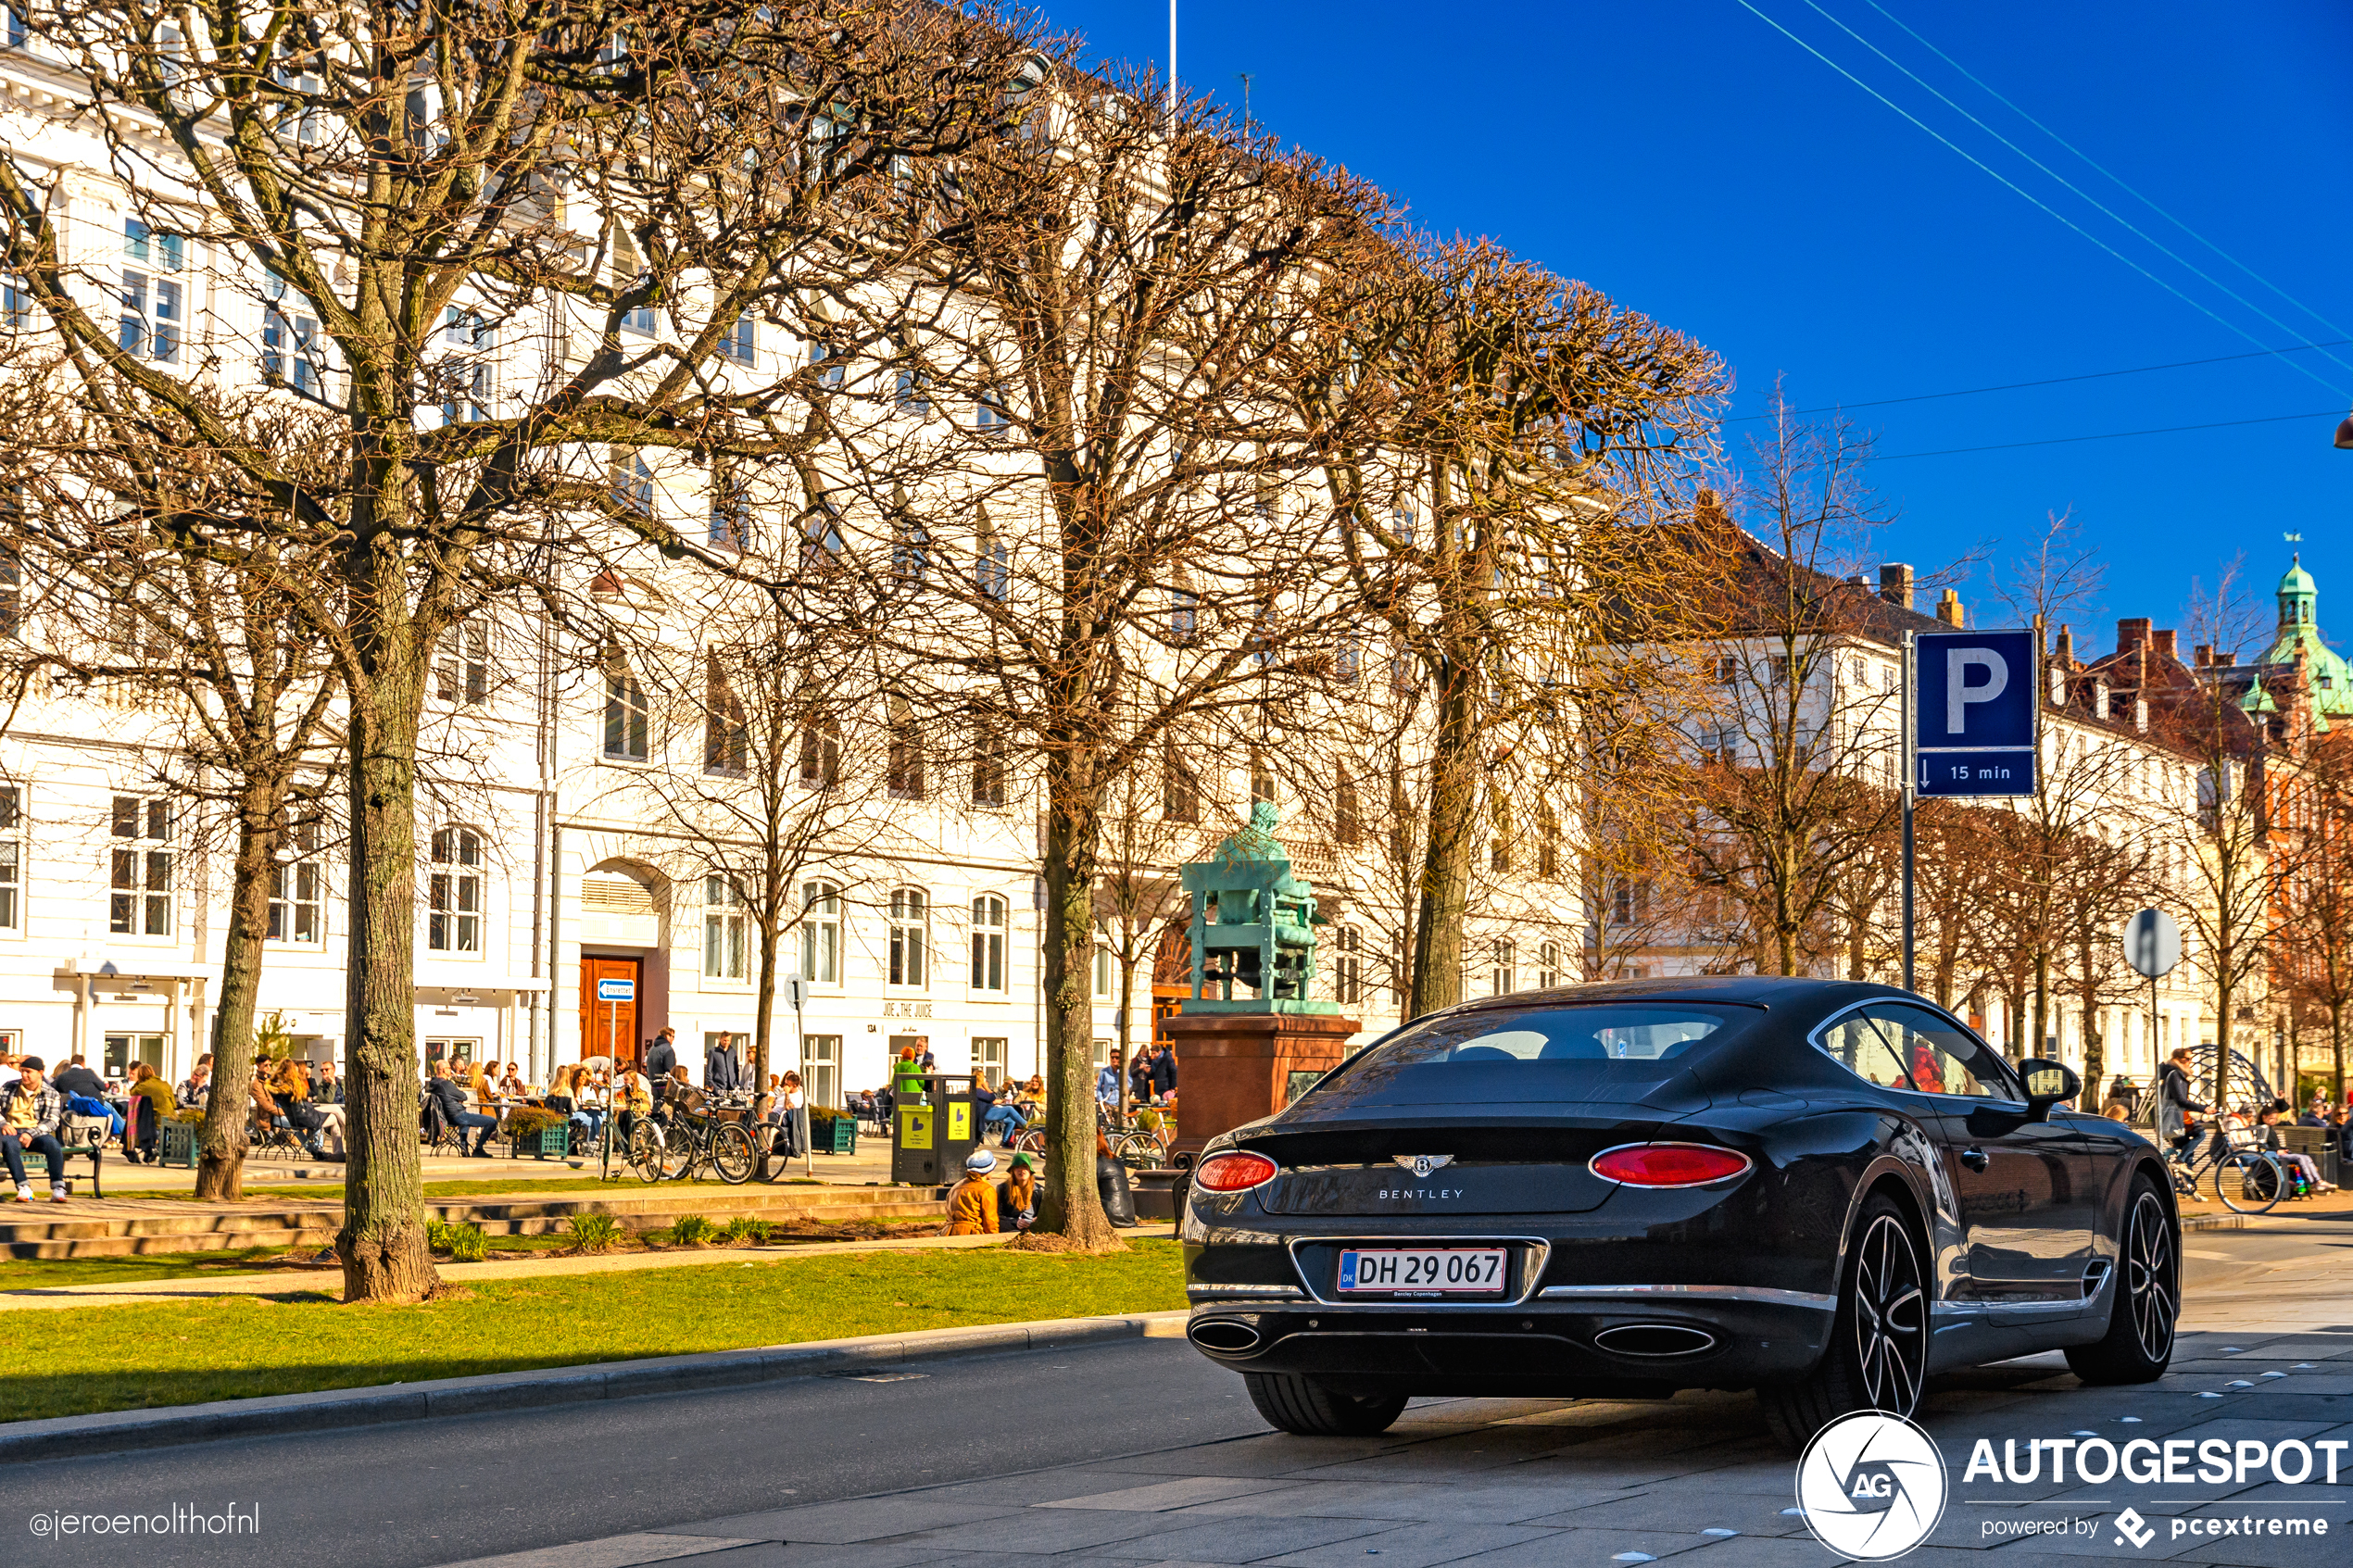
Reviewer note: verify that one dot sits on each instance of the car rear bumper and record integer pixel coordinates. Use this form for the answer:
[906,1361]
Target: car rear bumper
[1590,1342]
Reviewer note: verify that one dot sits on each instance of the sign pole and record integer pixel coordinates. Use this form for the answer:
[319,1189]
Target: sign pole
[1911,770]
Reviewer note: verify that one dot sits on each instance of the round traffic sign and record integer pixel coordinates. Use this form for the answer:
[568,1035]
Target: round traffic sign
[2152,943]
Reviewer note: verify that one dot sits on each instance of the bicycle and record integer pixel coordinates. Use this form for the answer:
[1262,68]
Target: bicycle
[695,1134]
[2247,1180]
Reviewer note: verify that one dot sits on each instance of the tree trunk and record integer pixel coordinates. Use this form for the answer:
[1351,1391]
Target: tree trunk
[2222,994]
[762,1025]
[1449,845]
[1069,1206]
[2336,1050]
[221,1145]
[383,1240]
[2095,1040]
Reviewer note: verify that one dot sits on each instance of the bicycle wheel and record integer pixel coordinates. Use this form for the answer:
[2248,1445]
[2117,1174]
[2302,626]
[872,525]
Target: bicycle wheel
[645,1151]
[1141,1151]
[1029,1140]
[685,1147]
[2249,1182]
[733,1154]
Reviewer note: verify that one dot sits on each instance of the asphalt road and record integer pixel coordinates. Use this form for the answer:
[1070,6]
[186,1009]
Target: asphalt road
[1000,1432]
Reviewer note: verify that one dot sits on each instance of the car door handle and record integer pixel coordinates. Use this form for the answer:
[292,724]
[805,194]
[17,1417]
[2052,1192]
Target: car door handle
[1975,1158]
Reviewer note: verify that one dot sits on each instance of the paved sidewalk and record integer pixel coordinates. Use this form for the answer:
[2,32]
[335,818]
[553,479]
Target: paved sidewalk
[329,1281]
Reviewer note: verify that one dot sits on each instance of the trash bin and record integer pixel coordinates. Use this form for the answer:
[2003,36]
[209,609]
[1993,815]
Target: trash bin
[930,1139]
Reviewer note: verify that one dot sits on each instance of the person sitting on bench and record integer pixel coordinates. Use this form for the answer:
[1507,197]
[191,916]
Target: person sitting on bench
[34,1113]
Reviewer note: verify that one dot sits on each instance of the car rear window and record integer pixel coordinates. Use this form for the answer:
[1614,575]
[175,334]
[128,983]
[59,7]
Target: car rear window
[1609,1052]
[1620,1032]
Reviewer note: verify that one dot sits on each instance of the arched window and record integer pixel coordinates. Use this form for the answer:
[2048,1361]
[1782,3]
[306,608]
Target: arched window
[988,943]
[820,933]
[910,936]
[453,919]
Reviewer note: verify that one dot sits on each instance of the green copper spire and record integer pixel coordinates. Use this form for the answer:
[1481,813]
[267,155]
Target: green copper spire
[2299,628]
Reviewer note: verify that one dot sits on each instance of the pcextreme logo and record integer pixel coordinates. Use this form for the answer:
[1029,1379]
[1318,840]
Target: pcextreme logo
[1872,1486]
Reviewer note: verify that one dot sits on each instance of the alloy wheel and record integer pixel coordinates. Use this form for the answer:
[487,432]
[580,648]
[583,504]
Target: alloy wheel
[2148,1277]
[1890,1317]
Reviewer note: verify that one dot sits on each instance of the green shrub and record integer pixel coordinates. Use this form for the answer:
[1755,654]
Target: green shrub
[818,1114]
[693,1230]
[467,1244]
[594,1233]
[745,1228]
[530,1121]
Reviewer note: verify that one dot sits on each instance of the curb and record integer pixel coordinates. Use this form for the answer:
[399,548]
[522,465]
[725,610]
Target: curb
[120,1431]
[2214,1222]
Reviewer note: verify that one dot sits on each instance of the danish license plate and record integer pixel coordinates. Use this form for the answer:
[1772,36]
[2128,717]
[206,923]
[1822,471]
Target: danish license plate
[1423,1269]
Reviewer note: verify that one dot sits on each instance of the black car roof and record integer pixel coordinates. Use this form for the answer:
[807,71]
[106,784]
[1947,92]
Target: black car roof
[1798,993]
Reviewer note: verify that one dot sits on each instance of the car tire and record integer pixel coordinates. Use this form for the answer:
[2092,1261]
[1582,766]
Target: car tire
[1302,1405]
[1878,1354]
[2138,1346]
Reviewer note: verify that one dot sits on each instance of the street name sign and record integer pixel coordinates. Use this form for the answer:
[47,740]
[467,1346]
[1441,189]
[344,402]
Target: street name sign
[616,990]
[1975,713]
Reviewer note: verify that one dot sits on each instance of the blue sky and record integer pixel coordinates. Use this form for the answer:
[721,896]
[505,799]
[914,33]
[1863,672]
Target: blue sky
[1702,167]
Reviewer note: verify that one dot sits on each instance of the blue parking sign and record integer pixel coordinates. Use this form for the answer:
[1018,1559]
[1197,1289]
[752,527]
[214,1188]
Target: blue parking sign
[1976,712]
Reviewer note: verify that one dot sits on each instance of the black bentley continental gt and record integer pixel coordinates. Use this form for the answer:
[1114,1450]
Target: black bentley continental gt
[1824,1191]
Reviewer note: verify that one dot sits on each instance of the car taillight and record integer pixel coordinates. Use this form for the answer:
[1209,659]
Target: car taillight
[1233,1173]
[1668,1164]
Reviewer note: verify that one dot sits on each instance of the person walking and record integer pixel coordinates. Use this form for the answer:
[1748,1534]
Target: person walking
[2174,1102]
[971,1203]
[452,1101]
[34,1113]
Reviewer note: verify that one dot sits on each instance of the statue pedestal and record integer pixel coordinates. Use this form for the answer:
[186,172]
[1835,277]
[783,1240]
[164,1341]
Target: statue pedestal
[1236,1067]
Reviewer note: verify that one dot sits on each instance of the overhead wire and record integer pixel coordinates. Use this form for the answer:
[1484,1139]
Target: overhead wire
[2069,186]
[2051,381]
[1998,175]
[2104,172]
[2107,435]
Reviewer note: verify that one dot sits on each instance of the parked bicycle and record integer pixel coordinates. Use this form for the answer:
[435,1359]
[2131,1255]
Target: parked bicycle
[699,1130]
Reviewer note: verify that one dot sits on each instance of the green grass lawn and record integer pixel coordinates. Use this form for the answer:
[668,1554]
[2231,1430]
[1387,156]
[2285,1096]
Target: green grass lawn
[551,1187]
[132,1357]
[35,1274]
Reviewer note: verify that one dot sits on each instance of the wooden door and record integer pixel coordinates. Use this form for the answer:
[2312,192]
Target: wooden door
[608,1027]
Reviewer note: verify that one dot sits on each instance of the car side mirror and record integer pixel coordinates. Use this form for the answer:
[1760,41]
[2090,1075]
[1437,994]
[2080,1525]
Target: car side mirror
[2047,1084]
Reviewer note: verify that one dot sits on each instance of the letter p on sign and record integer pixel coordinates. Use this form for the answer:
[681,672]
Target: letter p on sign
[1960,691]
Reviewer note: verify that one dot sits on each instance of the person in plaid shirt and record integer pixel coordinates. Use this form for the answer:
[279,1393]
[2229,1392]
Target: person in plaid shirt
[32,1112]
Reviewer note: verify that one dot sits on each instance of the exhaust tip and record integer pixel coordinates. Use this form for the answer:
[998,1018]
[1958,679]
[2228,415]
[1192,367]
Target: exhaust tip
[1226,1335]
[1654,1339]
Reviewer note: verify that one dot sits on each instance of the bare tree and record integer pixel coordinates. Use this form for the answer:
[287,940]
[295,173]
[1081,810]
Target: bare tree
[507,256]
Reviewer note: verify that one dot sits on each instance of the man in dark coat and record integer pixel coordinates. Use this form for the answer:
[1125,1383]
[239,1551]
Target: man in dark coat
[1163,1072]
[721,1070]
[662,1055]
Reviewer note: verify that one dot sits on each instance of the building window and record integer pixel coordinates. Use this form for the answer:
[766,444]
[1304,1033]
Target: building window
[993,567]
[11,857]
[290,352]
[727,928]
[820,933]
[820,754]
[830,367]
[821,1068]
[1505,953]
[910,936]
[740,342]
[730,513]
[1179,787]
[297,885]
[12,25]
[628,719]
[726,730]
[632,484]
[1348,966]
[15,302]
[12,582]
[821,541]
[903,754]
[153,317]
[990,417]
[1105,987]
[988,943]
[1348,818]
[910,548]
[453,921]
[988,1056]
[465,381]
[1184,615]
[140,904]
[989,769]
[462,669]
[1548,842]
[1262,777]
[1548,964]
